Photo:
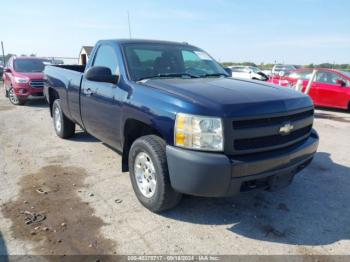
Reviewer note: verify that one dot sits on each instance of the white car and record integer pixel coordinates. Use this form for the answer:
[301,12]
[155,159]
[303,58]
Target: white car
[282,68]
[248,72]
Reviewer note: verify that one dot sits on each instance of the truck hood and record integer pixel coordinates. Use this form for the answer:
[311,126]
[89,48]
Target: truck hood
[235,97]
[31,76]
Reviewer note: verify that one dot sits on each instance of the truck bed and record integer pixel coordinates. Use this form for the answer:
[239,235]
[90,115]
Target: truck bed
[66,80]
[78,68]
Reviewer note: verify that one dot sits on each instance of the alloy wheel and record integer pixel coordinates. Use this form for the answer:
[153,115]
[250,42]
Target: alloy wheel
[145,174]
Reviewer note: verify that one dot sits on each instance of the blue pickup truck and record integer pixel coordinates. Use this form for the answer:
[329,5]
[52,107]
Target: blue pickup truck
[181,124]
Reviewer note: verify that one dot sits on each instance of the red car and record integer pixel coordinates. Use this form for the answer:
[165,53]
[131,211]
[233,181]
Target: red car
[23,79]
[331,88]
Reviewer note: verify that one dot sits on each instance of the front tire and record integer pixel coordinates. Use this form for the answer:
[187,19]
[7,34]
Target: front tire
[64,127]
[149,174]
[14,99]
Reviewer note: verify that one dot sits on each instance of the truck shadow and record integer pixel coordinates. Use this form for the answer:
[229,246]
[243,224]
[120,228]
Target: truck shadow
[3,250]
[81,136]
[315,210]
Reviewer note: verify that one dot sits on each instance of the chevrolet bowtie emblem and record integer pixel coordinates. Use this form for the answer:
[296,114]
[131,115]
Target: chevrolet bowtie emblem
[286,129]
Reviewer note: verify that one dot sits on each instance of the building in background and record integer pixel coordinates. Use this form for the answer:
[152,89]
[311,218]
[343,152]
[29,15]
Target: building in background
[84,54]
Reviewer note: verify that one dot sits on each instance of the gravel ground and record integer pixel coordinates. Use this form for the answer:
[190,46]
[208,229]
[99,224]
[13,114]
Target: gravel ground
[70,197]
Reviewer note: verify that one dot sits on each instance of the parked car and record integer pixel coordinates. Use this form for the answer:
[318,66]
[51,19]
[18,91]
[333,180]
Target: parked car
[331,88]
[282,68]
[23,79]
[267,72]
[1,71]
[182,125]
[248,72]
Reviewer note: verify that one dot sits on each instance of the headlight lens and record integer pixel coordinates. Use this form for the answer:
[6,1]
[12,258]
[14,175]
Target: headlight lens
[197,132]
[21,80]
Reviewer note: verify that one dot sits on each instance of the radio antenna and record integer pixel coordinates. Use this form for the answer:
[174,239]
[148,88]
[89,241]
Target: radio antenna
[129,24]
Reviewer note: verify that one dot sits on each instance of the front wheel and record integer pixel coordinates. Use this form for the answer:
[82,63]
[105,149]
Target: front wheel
[14,99]
[149,174]
[64,127]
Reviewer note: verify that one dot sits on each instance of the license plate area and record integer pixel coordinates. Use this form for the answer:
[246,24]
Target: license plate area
[280,181]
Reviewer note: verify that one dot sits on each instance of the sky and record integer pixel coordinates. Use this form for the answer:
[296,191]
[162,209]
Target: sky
[293,32]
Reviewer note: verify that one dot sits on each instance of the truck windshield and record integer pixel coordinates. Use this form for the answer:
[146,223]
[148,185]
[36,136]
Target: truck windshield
[29,65]
[169,60]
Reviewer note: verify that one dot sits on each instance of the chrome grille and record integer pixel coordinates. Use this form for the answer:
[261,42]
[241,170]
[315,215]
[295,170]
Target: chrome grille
[37,83]
[263,134]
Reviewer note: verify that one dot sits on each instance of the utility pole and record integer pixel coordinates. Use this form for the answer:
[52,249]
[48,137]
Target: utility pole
[129,25]
[3,53]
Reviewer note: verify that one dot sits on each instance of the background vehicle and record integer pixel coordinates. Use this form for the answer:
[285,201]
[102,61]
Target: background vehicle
[248,72]
[181,124]
[267,72]
[1,71]
[284,68]
[331,88]
[23,79]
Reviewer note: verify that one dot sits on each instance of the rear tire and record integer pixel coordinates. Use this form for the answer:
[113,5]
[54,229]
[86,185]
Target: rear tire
[64,127]
[149,174]
[14,99]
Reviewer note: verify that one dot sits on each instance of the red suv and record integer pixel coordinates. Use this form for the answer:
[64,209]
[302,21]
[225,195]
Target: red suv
[23,79]
[331,88]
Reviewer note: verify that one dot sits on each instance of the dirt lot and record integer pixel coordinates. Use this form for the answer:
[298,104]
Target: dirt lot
[70,197]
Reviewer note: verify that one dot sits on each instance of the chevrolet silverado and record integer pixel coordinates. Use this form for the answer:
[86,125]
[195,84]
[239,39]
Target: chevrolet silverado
[180,123]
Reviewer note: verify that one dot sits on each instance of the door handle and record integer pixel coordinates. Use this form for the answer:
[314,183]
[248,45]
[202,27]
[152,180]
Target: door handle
[88,92]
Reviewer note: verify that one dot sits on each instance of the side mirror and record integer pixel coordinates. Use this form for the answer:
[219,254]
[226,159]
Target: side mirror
[228,70]
[101,74]
[281,73]
[341,83]
[7,70]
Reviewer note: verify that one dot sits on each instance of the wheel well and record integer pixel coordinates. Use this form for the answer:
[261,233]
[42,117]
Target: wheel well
[133,129]
[53,95]
[349,106]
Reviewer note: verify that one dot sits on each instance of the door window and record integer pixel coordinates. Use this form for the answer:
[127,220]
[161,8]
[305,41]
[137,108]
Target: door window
[106,57]
[237,69]
[328,77]
[303,75]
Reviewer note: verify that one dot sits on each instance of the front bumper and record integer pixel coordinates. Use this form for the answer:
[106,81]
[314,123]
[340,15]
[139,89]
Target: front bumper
[218,175]
[27,91]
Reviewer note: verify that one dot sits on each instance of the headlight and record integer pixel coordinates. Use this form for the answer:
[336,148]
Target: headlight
[197,132]
[21,80]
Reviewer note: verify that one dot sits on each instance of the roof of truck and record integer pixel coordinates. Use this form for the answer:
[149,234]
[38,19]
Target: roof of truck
[139,41]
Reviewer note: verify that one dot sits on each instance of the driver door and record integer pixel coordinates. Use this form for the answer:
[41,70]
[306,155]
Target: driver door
[330,93]
[100,102]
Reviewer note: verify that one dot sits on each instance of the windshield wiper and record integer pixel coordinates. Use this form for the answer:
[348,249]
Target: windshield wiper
[215,74]
[168,75]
